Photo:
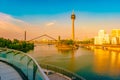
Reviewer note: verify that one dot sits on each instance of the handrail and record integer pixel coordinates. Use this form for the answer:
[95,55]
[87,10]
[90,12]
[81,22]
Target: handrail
[39,68]
[27,64]
[65,72]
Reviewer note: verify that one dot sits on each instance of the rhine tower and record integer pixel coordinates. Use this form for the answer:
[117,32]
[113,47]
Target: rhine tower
[73,20]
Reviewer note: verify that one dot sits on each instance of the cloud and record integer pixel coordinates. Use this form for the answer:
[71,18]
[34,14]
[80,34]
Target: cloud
[14,28]
[50,24]
[10,19]
[7,23]
[11,27]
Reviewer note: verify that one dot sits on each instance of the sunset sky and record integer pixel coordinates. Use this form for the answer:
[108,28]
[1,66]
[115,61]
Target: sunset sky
[52,17]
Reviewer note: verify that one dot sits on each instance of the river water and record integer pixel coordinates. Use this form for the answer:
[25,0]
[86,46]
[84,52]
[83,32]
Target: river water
[94,64]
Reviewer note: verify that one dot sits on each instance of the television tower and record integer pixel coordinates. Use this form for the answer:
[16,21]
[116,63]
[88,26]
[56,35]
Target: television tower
[73,20]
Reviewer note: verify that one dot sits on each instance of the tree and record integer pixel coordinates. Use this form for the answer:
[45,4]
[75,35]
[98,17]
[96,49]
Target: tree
[16,44]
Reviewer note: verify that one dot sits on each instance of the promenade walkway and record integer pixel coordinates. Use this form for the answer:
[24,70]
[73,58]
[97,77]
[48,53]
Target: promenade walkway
[57,76]
[8,73]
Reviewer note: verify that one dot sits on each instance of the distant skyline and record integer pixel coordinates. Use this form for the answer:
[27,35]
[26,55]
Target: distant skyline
[52,17]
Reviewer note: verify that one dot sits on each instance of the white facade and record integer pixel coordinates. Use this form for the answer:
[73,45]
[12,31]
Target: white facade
[107,39]
[101,33]
[102,38]
[98,40]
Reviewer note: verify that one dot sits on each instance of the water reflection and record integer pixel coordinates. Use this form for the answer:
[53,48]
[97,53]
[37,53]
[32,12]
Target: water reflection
[106,62]
[71,64]
[115,64]
[72,61]
[92,65]
[65,52]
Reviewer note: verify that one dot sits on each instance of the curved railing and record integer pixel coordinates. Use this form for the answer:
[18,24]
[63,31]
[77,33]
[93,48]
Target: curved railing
[67,73]
[24,62]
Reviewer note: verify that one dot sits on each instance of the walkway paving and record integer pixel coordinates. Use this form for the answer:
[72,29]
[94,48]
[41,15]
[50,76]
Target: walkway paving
[8,73]
[55,76]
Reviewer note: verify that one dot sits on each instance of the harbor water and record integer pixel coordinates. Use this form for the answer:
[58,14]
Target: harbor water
[94,64]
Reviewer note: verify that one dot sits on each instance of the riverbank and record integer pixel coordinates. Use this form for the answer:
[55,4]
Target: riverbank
[16,44]
[104,47]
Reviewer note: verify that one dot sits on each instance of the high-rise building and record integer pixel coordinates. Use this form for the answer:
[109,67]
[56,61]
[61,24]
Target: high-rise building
[115,33]
[98,40]
[102,38]
[106,39]
[115,36]
[101,33]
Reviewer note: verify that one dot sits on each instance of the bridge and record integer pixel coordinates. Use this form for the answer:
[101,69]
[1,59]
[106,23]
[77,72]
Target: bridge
[43,36]
[52,41]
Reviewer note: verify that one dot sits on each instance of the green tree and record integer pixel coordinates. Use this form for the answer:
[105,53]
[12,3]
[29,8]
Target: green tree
[16,44]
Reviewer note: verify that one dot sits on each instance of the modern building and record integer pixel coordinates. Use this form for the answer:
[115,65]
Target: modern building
[102,38]
[101,33]
[115,33]
[106,39]
[115,36]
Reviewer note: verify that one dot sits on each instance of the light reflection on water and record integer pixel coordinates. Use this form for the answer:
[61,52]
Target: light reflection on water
[93,65]
[107,62]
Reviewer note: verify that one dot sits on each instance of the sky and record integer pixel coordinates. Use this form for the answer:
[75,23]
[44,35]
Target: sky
[52,17]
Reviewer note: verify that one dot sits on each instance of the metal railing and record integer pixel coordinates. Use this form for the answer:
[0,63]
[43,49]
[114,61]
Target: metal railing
[67,73]
[28,65]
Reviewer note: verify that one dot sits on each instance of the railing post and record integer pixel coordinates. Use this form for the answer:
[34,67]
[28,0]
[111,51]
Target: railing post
[62,71]
[34,71]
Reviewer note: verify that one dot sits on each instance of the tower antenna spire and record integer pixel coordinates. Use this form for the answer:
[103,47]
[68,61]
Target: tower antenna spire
[73,11]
